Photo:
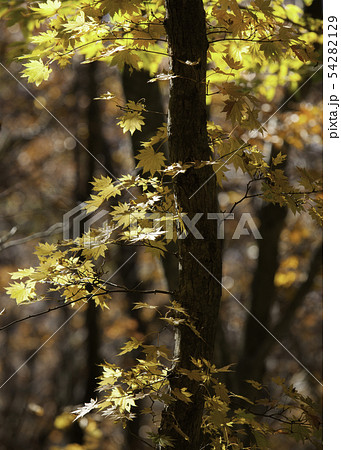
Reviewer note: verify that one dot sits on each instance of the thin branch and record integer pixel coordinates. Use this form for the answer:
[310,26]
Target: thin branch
[259,41]
[54,229]
[135,39]
[246,195]
[128,109]
[44,312]
[103,56]
[121,289]
[139,438]
[125,289]
[146,245]
[259,194]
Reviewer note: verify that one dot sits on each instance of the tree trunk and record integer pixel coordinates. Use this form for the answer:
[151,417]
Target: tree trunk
[135,86]
[263,291]
[199,293]
[263,296]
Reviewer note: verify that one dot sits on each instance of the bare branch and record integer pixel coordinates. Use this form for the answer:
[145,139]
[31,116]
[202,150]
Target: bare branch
[121,289]
[54,229]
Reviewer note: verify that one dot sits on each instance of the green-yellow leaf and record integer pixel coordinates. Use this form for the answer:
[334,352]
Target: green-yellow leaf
[36,72]
[47,9]
[21,292]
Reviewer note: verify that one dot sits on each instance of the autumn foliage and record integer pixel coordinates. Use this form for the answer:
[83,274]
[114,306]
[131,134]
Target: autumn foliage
[258,54]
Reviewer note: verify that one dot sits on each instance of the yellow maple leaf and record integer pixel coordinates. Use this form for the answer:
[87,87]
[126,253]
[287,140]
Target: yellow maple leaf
[93,204]
[126,56]
[122,215]
[101,183]
[150,161]
[48,9]
[22,273]
[95,250]
[105,188]
[45,249]
[129,346]
[131,121]
[115,6]
[36,71]
[21,292]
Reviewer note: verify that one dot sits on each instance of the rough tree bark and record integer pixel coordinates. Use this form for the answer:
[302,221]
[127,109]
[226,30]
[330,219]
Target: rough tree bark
[199,293]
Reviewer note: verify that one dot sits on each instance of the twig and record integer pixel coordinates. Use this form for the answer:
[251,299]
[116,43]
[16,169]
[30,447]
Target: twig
[86,297]
[248,187]
[137,291]
[44,312]
[259,194]
[54,229]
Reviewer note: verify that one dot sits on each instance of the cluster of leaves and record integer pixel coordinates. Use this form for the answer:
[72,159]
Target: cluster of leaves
[226,415]
[275,187]
[64,270]
[263,37]
[114,32]
[150,218]
[69,268]
[145,218]
[121,33]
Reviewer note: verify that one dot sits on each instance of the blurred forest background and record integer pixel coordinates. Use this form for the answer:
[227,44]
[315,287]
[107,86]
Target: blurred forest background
[45,172]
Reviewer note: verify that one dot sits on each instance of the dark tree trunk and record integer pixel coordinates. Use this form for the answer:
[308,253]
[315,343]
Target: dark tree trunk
[263,295]
[199,293]
[95,145]
[136,86]
[263,292]
[280,329]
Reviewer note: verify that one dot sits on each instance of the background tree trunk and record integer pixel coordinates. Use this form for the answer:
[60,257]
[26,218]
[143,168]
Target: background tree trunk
[135,86]
[199,293]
